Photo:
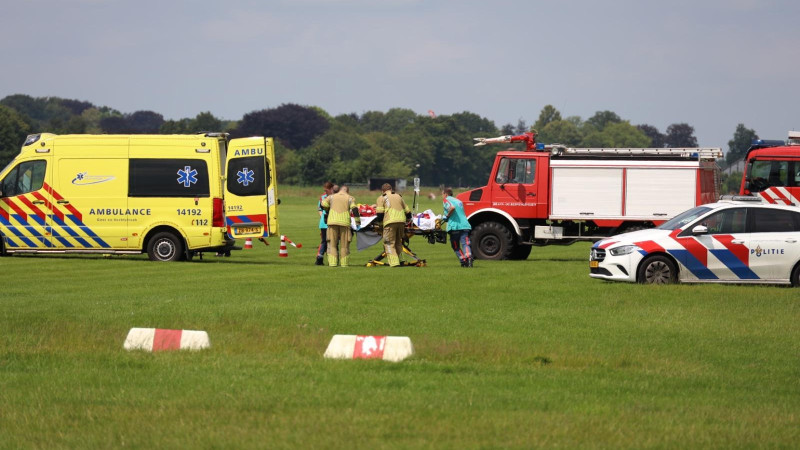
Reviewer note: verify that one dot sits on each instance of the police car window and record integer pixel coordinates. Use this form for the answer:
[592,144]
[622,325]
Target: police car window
[768,220]
[26,177]
[168,178]
[684,218]
[246,176]
[728,221]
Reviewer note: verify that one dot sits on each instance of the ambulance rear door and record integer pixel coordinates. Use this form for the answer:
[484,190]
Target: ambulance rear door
[251,196]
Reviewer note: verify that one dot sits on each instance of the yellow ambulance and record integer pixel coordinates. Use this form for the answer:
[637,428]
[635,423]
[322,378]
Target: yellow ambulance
[170,196]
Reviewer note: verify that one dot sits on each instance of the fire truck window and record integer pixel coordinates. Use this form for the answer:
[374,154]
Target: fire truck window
[529,173]
[516,171]
[764,174]
[502,172]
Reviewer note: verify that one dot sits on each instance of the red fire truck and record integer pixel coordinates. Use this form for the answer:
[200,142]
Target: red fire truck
[552,194]
[773,170]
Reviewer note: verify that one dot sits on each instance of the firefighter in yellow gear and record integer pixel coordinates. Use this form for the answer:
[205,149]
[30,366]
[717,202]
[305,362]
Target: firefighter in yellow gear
[338,207]
[393,212]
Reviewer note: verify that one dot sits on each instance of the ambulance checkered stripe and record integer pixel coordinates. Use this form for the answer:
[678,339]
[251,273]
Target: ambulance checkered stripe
[24,223]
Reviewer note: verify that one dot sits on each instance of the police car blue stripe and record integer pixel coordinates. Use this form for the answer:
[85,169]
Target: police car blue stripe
[694,265]
[735,264]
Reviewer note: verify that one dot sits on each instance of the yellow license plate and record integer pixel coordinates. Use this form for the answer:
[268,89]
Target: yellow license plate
[247,230]
[594,264]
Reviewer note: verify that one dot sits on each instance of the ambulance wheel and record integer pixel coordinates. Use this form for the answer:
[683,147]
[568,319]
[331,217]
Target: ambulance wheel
[492,240]
[165,246]
[521,252]
[796,276]
[657,269]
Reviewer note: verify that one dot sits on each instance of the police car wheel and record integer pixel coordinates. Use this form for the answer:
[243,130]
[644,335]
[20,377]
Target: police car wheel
[165,246]
[796,276]
[657,269]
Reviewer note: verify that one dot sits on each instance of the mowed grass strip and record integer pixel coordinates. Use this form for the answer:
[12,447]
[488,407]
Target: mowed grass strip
[509,354]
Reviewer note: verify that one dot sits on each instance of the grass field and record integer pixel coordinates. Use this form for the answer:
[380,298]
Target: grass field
[510,354]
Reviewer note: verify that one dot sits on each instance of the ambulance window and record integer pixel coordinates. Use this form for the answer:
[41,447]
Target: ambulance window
[168,178]
[26,177]
[246,176]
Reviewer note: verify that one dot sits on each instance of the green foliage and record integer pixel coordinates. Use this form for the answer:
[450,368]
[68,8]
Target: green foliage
[510,354]
[738,146]
[549,114]
[616,134]
[313,147]
[731,182]
[680,135]
[205,121]
[656,137]
[560,132]
[294,125]
[601,119]
[13,131]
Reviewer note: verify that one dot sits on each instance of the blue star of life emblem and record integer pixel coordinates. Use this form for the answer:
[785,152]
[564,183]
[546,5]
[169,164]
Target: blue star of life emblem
[187,176]
[245,177]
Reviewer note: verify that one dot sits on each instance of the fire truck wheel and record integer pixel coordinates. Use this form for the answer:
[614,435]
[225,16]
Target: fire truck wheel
[165,246]
[492,240]
[796,276]
[521,252]
[657,269]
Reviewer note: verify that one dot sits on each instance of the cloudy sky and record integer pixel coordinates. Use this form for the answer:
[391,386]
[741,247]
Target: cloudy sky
[710,63]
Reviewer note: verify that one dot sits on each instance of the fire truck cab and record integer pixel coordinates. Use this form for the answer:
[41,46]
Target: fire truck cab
[772,171]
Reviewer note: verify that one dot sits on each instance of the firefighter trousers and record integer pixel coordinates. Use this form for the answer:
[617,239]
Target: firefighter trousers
[339,237]
[393,242]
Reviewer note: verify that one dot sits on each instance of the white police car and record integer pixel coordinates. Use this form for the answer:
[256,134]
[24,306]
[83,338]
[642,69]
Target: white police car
[737,240]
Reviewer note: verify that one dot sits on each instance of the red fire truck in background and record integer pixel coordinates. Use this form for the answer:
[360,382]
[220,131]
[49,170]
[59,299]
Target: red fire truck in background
[773,170]
[552,194]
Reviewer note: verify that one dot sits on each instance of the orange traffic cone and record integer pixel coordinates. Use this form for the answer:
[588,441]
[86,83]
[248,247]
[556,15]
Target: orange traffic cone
[283,253]
[248,243]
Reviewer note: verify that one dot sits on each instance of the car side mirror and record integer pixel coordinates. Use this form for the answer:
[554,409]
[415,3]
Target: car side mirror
[700,229]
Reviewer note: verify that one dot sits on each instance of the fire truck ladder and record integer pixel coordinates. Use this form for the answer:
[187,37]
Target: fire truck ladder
[706,153]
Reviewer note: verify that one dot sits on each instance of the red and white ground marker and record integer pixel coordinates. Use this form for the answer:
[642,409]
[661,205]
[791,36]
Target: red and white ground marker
[157,339]
[387,348]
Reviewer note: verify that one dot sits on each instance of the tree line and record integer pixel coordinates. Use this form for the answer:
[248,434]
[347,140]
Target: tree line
[313,146]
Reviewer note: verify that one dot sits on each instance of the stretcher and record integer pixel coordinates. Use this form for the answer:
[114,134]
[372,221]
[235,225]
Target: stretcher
[429,227]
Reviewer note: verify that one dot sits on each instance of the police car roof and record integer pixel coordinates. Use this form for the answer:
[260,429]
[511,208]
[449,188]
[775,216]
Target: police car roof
[748,200]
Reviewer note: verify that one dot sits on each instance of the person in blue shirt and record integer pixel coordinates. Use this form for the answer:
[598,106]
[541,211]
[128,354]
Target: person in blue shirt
[457,226]
[327,189]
